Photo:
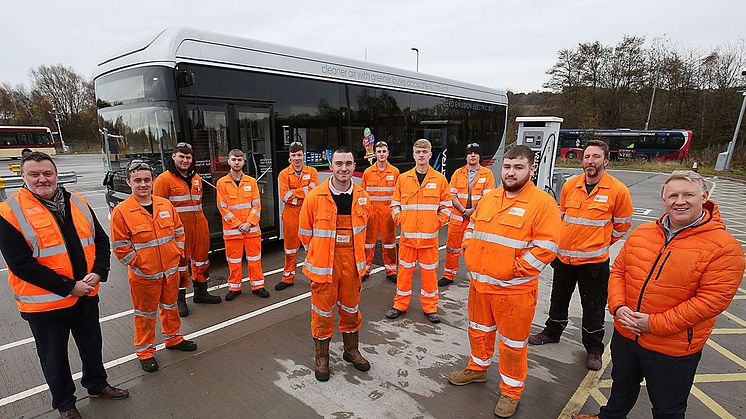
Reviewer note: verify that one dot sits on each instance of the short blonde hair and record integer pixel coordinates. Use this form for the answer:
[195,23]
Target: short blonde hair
[422,143]
[687,175]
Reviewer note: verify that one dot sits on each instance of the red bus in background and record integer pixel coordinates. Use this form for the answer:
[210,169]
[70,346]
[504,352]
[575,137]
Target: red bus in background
[15,140]
[645,145]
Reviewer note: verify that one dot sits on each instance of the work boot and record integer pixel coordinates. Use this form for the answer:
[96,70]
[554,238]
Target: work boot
[444,282]
[541,338]
[232,295]
[261,292]
[184,345]
[201,296]
[71,414]
[579,416]
[322,359]
[393,313]
[593,362]
[149,364]
[181,303]
[351,352]
[282,285]
[462,378]
[110,393]
[433,317]
[506,406]
[366,276]
[391,278]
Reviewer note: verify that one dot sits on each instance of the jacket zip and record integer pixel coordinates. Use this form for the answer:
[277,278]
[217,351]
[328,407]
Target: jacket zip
[662,265]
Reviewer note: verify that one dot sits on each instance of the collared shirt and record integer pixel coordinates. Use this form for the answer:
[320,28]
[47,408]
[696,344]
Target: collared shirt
[667,225]
[343,199]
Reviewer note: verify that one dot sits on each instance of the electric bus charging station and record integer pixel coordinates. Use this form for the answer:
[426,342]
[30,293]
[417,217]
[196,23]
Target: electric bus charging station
[541,134]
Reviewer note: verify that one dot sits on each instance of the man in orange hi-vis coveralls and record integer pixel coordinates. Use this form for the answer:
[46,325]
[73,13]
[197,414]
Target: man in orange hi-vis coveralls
[421,205]
[240,206]
[332,229]
[295,183]
[379,181]
[468,185]
[148,237]
[182,186]
[511,237]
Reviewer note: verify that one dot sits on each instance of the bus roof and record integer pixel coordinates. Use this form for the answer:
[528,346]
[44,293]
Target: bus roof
[184,45]
[23,128]
[621,132]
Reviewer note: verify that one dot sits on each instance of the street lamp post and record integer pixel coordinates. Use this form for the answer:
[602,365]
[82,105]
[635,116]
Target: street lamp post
[59,130]
[732,144]
[418,58]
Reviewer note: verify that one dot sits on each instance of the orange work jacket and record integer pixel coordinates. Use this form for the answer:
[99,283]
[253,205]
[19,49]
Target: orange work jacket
[483,183]
[151,245]
[592,223]
[293,190]
[421,209]
[187,199]
[318,230]
[380,185]
[42,233]
[509,241]
[239,204]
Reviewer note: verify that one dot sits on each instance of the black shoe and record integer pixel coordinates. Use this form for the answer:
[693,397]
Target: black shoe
[393,313]
[149,365]
[541,338]
[181,303]
[366,276]
[444,282]
[201,296]
[111,393]
[391,278]
[593,362]
[185,345]
[282,285]
[232,295]
[71,414]
[433,317]
[261,292]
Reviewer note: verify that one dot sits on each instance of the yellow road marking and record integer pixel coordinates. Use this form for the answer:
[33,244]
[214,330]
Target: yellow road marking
[740,297]
[585,388]
[699,378]
[734,318]
[598,396]
[711,404]
[742,290]
[726,353]
[725,331]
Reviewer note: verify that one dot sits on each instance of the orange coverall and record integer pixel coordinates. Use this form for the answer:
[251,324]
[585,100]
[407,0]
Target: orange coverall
[293,190]
[420,210]
[380,186]
[483,182]
[187,199]
[151,246]
[240,204]
[335,263]
[506,245]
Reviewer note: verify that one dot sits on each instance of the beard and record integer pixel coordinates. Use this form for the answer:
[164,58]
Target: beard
[517,186]
[590,170]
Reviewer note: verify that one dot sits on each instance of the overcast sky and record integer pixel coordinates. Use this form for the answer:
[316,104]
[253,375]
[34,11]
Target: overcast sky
[502,44]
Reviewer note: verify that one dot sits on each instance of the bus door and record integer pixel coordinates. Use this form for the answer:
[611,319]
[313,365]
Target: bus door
[255,141]
[441,134]
[210,138]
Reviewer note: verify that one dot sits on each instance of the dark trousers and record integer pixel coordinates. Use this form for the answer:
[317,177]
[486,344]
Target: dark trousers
[668,379]
[51,332]
[592,280]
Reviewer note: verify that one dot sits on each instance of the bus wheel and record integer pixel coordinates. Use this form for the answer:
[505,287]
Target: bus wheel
[570,155]
[643,158]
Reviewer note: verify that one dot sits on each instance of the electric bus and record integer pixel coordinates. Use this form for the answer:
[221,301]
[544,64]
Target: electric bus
[17,140]
[646,145]
[219,92]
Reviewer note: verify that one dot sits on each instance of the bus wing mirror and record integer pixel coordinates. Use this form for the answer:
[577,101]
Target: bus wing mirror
[185,78]
[108,179]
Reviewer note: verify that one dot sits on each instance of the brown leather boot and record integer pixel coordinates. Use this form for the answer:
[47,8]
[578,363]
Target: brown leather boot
[351,352]
[322,359]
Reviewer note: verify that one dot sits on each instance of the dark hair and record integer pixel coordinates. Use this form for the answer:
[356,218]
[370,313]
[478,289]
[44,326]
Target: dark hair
[516,150]
[339,150]
[184,148]
[37,156]
[236,153]
[295,146]
[600,144]
[137,165]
